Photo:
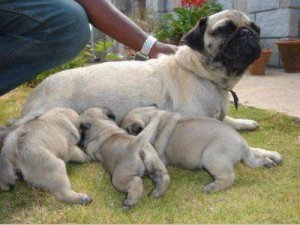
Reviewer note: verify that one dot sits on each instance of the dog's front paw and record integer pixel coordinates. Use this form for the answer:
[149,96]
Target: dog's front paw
[244,124]
[241,124]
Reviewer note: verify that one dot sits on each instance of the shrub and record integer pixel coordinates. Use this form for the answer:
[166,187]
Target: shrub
[175,24]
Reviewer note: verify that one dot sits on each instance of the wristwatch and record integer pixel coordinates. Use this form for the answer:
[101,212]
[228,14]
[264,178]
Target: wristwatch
[143,54]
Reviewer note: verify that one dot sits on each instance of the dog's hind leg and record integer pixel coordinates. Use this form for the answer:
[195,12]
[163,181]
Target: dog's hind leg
[260,159]
[158,174]
[52,175]
[132,185]
[221,168]
[272,156]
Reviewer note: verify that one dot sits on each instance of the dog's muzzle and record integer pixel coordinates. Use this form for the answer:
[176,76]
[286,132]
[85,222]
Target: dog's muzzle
[239,51]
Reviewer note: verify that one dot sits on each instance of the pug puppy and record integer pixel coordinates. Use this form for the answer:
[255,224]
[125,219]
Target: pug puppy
[194,82]
[126,157]
[39,148]
[197,143]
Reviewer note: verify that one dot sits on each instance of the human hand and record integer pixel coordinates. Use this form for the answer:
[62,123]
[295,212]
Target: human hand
[162,48]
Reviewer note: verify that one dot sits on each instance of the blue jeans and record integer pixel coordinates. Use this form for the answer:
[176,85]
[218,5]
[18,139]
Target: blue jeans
[36,35]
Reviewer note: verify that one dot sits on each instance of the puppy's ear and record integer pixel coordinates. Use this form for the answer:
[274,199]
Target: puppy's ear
[195,37]
[134,129]
[85,126]
[109,114]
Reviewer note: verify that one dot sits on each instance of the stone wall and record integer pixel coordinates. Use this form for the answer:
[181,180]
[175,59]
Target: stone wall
[278,19]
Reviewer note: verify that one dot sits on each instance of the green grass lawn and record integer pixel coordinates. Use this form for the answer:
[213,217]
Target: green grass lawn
[257,196]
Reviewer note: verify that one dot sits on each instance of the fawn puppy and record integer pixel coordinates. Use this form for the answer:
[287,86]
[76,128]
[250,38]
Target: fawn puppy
[196,143]
[126,157]
[39,148]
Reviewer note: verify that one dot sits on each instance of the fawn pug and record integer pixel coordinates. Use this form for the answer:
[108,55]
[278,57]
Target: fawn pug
[126,157]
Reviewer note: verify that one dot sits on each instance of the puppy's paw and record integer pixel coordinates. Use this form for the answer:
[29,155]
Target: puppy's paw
[268,163]
[272,158]
[209,188]
[84,199]
[127,204]
[154,194]
[275,157]
[7,186]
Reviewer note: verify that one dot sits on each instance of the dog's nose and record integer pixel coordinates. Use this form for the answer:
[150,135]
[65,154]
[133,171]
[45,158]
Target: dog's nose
[245,33]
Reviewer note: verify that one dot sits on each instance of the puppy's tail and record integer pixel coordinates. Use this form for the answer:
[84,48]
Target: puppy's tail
[147,135]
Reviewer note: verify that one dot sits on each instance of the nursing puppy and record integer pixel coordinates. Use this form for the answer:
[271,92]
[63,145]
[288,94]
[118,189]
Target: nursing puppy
[196,143]
[39,149]
[126,157]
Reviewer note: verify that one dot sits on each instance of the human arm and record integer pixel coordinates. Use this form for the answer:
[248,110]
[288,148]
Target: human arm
[108,19]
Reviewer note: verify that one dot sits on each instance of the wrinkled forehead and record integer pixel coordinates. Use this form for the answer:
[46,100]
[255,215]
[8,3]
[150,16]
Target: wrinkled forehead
[219,19]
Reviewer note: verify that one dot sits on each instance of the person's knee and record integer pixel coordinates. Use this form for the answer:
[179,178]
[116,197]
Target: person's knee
[68,29]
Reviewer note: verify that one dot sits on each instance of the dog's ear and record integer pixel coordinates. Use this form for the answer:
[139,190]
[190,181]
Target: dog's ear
[85,126]
[255,27]
[195,37]
[134,129]
[109,114]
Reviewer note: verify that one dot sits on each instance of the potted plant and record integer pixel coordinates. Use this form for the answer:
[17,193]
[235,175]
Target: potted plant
[258,67]
[174,25]
[289,51]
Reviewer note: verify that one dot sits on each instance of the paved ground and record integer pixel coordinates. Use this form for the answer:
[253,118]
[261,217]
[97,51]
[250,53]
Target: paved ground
[277,91]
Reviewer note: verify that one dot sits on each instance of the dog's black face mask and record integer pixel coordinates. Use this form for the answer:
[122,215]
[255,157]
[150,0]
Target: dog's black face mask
[240,47]
[239,51]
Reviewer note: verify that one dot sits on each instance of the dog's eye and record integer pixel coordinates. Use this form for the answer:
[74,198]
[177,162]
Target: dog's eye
[228,28]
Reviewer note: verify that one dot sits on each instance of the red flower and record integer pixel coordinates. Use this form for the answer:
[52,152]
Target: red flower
[188,3]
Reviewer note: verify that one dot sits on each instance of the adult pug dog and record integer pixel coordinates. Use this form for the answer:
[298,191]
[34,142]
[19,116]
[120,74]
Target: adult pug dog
[39,148]
[194,82]
[199,142]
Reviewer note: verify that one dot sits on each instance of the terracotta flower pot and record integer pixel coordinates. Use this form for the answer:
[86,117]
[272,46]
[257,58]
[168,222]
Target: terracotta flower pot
[290,55]
[260,64]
